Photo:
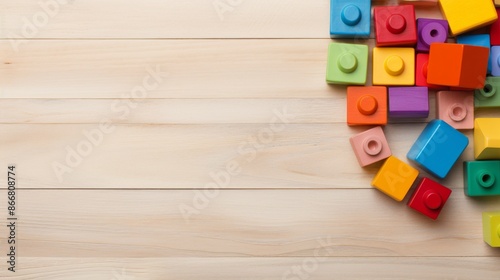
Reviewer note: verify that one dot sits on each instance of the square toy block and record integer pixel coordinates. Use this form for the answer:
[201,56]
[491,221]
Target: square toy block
[456,108]
[394,66]
[370,146]
[480,40]
[347,64]
[431,31]
[350,18]
[489,95]
[429,198]
[495,31]
[366,106]
[482,178]
[487,138]
[408,102]
[395,25]
[491,228]
[465,15]
[438,148]
[395,178]
[422,62]
[495,61]
[457,65]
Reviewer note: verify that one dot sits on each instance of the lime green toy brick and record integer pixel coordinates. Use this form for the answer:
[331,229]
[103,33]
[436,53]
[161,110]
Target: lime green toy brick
[482,178]
[489,95]
[491,228]
[347,64]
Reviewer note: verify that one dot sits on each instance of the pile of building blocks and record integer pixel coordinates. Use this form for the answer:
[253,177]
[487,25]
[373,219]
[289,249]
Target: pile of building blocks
[412,58]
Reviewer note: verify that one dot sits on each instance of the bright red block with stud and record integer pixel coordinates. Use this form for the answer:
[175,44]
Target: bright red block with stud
[429,198]
[421,63]
[395,25]
[495,31]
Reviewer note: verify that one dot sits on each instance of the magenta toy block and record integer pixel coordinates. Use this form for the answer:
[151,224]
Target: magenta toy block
[370,146]
[456,108]
[408,102]
[431,31]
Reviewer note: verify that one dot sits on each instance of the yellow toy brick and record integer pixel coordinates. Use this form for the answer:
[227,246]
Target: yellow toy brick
[395,178]
[491,228]
[394,66]
[487,138]
[465,15]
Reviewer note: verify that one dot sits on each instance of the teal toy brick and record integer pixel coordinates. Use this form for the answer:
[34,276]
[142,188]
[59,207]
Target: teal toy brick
[347,64]
[489,95]
[350,18]
[481,40]
[438,148]
[482,178]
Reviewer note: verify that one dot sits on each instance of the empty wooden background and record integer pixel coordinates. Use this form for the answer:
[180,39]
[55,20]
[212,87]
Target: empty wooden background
[240,88]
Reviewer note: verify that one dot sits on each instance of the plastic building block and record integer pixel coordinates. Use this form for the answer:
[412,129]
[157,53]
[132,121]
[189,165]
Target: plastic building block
[491,228]
[482,178]
[429,198]
[495,30]
[422,62]
[438,148]
[370,146]
[489,95]
[347,64]
[395,25]
[480,40]
[456,108]
[431,31]
[495,61]
[366,105]
[465,15]
[457,65]
[394,66]
[350,18]
[487,138]
[395,178]
[408,102]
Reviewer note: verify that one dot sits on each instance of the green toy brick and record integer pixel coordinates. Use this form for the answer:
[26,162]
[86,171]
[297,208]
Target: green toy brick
[491,228]
[347,64]
[482,178]
[489,95]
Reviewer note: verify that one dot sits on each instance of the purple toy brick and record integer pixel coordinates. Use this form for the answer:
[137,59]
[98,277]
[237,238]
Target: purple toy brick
[431,31]
[408,102]
[495,61]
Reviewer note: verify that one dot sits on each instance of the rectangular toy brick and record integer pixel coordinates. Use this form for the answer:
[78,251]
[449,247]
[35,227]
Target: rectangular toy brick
[395,25]
[431,31]
[347,64]
[408,102]
[465,15]
[495,31]
[487,138]
[366,106]
[491,228]
[456,108]
[489,95]
[350,18]
[395,178]
[429,198]
[394,66]
[422,62]
[438,148]
[495,61]
[480,40]
[370,146]
[482,178]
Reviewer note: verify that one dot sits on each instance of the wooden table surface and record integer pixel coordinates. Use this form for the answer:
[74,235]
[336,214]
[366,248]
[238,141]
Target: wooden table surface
[168,139]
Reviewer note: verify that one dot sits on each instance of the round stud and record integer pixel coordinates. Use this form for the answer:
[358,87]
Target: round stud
[350,15]
[425,67]
[433,32]
[396,24]
[372,146]
[488,90]
[457,112]
[367,105]
[347,62]
[485,179]
[432,200]
[394,65]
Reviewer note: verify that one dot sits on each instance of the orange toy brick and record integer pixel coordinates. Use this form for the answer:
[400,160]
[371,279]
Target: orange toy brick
[366,105]
[457,65]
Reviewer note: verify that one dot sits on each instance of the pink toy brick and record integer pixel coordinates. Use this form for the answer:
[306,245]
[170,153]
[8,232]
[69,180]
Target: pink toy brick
[408,102]
[456,108]
[370,146]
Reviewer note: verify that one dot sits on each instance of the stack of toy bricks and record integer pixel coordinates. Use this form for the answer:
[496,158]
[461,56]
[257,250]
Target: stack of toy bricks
[411,57]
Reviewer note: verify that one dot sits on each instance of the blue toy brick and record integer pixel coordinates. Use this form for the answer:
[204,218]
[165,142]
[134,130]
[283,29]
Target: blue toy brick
[350,18]
[495,61]
[481,40]
[438,148]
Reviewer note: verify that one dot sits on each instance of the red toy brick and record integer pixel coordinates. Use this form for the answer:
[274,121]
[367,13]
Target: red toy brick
[422,61]
[495,31]
[429,198]
[395,25]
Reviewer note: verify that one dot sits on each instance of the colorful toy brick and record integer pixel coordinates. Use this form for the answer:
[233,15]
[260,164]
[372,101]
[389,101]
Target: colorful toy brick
[465,15]
[429,198]
[495,30]
[480,40]
[422,62]
[395,25]
[408,102]
[482,178]
[489,95]
[491,228]
[456,108]
[457,65]
[487,138]
[495,61]
[431,31]
[347,64]
[395,178]
[438,148]
[370,146]
[350,18]
[366,105]
[394,66]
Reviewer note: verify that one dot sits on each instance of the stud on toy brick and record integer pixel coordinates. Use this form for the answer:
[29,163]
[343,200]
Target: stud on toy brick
[482,178]
[408,102]
[370,146]
[431,31]
[456,108]
[366,106]
[395,178]
[350,18]
[438,148]
[347,64]
[465,15]
[429,198]
[491,228]
[489,95]
[422,63]
[480,40]
[486,138]
[495,61]
[395,25]
[394,66]
[495,31]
